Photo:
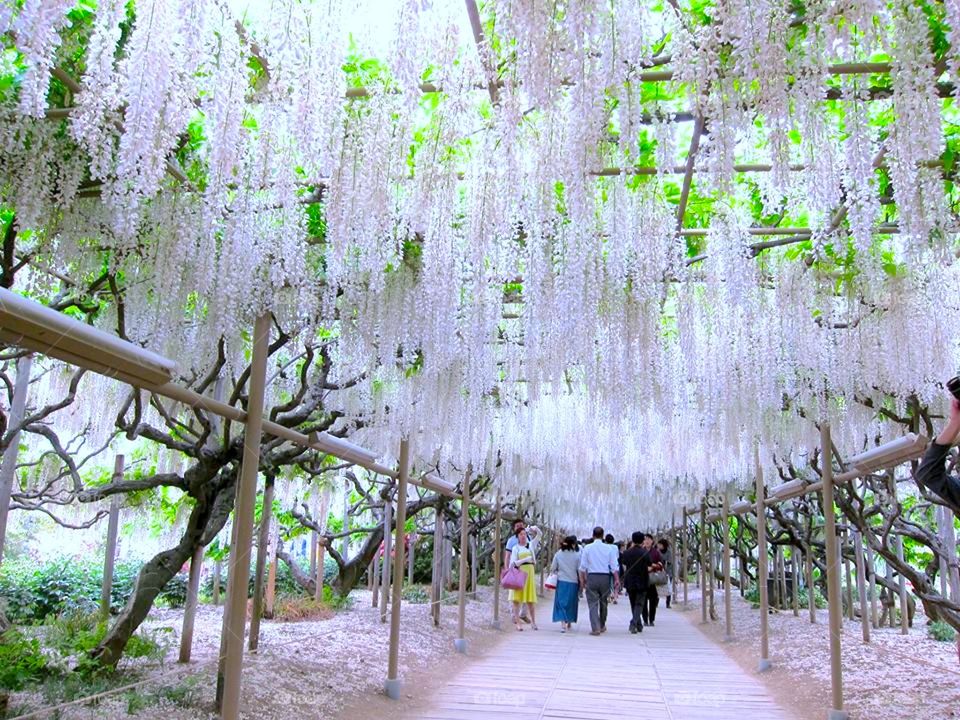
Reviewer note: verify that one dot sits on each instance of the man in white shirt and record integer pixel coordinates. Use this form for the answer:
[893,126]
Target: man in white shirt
[598,561]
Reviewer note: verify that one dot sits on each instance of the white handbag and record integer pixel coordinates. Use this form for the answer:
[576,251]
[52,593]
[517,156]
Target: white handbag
[551,581]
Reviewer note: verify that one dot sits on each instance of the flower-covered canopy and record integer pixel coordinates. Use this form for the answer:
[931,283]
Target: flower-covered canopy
[598,249]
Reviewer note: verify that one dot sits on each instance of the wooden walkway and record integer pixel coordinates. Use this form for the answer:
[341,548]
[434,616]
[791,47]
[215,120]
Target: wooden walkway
[669,672]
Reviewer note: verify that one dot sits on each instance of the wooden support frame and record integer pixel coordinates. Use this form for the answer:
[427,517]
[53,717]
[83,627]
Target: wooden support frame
[8,466]
[727,583]
[497,559]
[460,642]
[764,663]
[392,685]
[235,620]
[836,711]
[110,552]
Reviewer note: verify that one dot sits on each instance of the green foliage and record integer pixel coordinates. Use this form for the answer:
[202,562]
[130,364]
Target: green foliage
[415,595]
[335,601]
[74,635]
[21,661]
[33,592]
[941,631]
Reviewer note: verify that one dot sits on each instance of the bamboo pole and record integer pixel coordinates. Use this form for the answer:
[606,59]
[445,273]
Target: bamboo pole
[861,586]
[811,588]
[497,558]
[460,643]
[727,584]
[833,576]
[110,553]
[8,466]
[762,565]
[392,685]
[263,541]
[243,522]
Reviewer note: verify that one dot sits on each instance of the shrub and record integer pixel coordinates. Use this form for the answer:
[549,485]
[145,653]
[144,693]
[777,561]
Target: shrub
[33,592]
[415,595]
[74,635]
[21,661]
[941,631]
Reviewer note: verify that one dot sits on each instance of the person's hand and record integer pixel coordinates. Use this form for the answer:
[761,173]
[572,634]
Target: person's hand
[954,411]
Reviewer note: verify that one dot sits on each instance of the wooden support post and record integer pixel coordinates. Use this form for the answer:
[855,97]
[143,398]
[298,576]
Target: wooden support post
[8,466]
[411,551]
[392,685]
[795,581]
[263,542]
[192,600]
[345,518]
[375,579]
[891,616]
[872,577]
[904,603]
[473,567]
[704,584]
[685,535]
[762,565]
[318,581]
[861,586]
[110,553]
[811,588]
[270,593]
[833,575]
[711,585]
[436,573]
[236,619]
[461,641]
[217,581]
[777,600]
[727,584]
[387,552]
[849,579]
[497,558]
[190,604]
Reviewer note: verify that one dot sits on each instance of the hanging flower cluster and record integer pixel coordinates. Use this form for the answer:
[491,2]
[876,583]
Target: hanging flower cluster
[501,256]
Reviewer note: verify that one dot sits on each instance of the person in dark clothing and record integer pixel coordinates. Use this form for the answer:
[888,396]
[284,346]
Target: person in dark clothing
[637,563]
[932,473]
[652,598]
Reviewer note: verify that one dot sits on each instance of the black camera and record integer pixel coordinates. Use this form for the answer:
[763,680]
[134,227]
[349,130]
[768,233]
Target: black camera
[953,385]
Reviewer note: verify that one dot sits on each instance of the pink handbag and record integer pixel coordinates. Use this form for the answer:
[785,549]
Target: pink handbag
[513,578]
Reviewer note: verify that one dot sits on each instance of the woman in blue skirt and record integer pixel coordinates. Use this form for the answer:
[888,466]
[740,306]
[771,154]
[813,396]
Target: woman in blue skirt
[566,564]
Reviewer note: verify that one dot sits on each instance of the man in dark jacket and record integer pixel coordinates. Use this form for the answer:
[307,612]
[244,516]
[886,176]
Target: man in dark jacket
[932,473]
[637,561]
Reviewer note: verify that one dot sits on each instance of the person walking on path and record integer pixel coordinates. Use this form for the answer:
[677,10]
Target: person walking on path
[932,473]
[649,608]
[518,525]
[663,545]
[566,564]
[598,561]
[522,557]
[636,578]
